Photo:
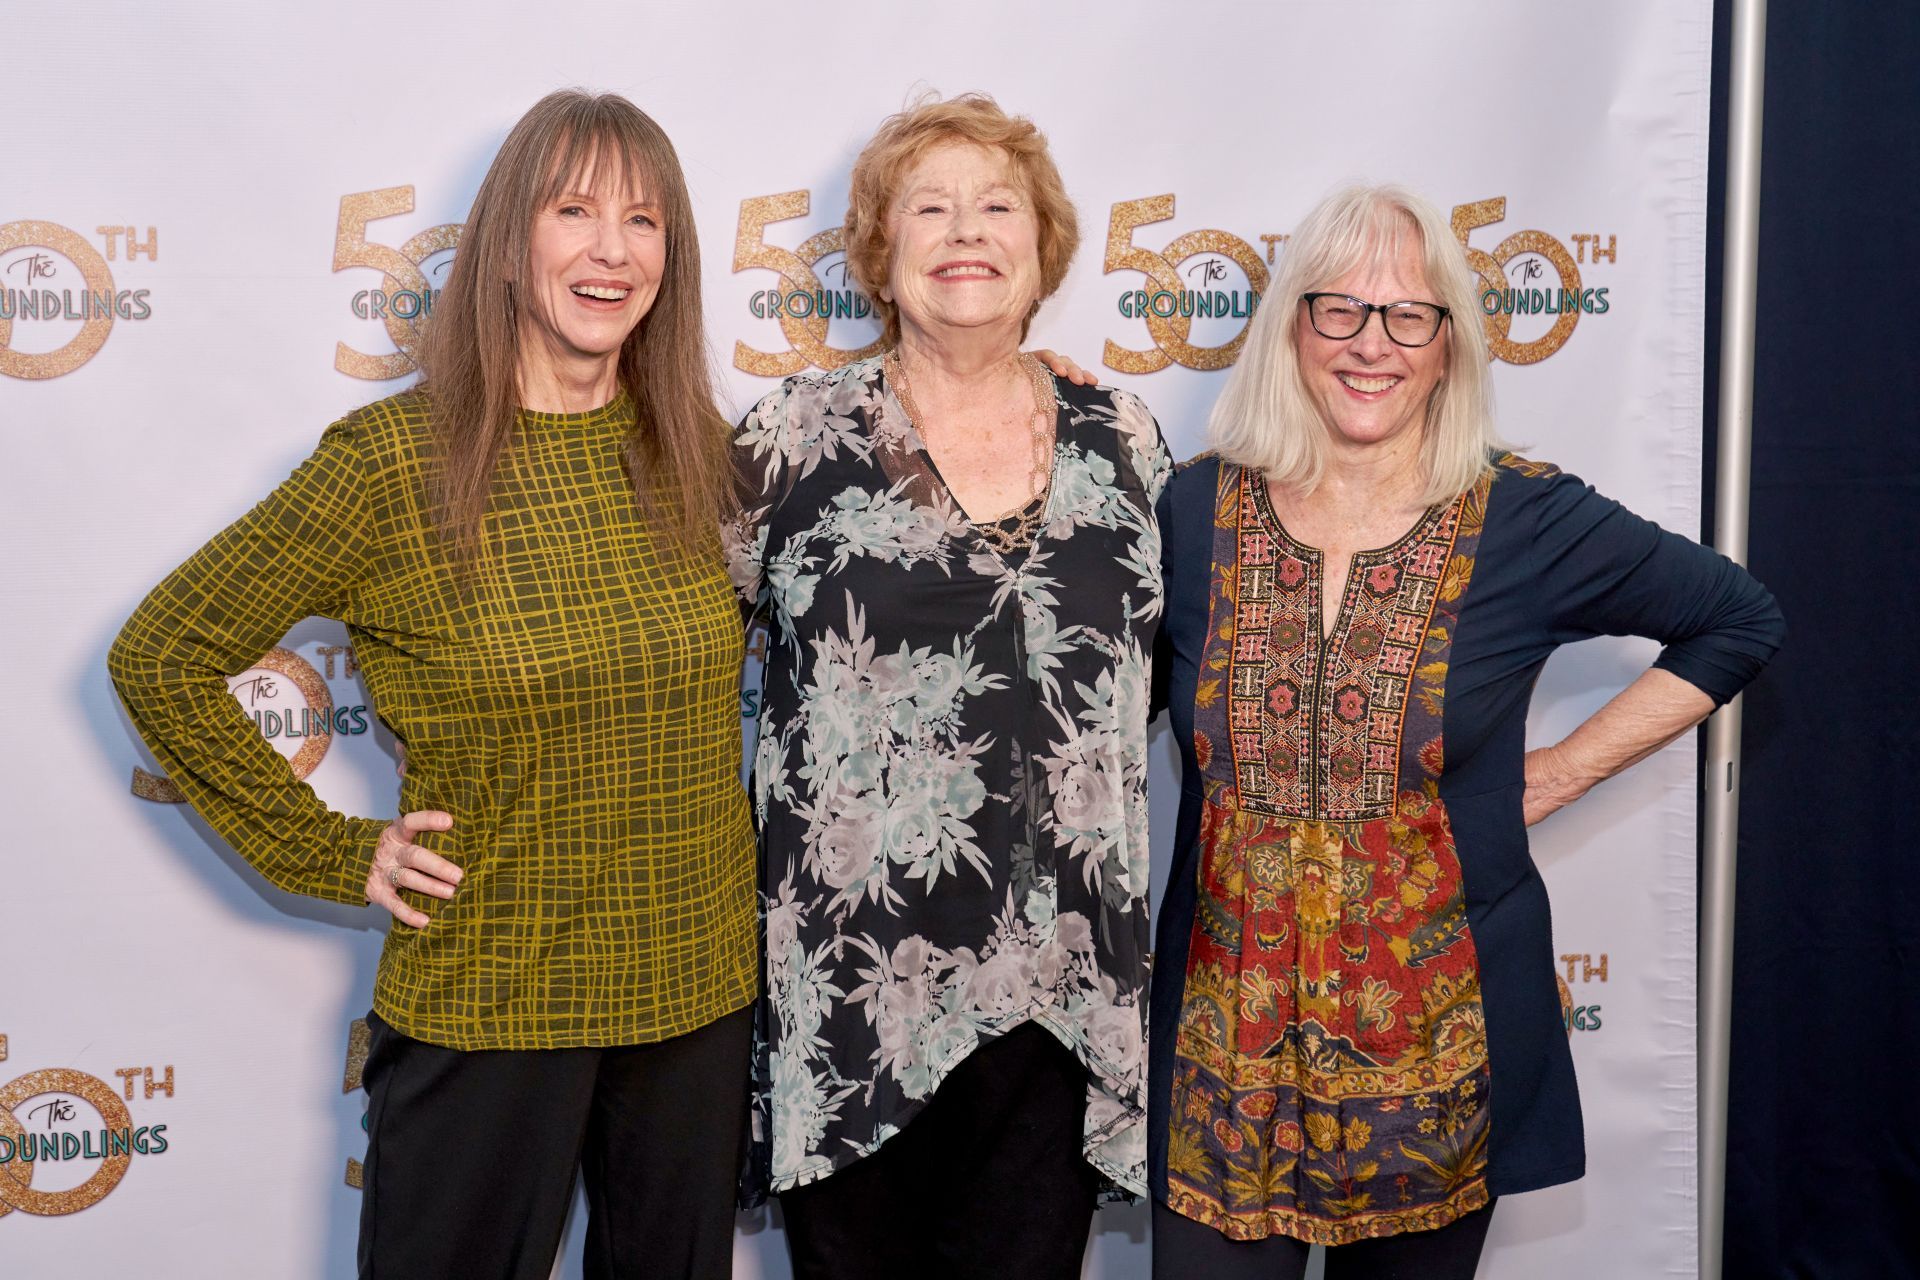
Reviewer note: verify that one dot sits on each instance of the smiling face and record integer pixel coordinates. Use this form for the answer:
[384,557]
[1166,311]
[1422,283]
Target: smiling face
[595,257]
[1370,390]
[965,245]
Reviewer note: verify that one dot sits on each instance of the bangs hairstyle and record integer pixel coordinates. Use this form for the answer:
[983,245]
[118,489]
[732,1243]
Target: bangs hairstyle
[1264,418]
[470,351]
[901,142]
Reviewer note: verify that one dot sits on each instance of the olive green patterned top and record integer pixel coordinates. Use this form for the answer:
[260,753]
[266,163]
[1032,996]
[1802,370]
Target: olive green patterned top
[576,712]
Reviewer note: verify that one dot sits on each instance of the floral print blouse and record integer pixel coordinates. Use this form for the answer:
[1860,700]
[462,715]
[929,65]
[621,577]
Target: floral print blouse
[951,772]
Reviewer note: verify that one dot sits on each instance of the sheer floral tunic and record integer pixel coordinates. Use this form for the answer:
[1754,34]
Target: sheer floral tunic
[1357,1028]
[951,771]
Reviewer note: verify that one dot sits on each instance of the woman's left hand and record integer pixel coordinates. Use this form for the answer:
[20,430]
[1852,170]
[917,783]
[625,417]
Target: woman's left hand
[1064,368]
[1642,718]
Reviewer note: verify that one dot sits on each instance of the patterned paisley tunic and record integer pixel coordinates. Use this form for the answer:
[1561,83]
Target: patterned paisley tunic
[1358,1028]
[951,771]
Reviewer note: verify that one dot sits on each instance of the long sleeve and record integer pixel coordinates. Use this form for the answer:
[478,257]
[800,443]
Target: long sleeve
[1612,573]
[294,555]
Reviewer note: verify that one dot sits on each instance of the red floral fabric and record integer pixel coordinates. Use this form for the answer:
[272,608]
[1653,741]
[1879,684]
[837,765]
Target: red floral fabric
[1331,1078]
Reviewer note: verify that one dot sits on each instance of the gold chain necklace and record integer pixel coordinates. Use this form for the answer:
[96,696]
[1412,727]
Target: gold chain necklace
[1014,529]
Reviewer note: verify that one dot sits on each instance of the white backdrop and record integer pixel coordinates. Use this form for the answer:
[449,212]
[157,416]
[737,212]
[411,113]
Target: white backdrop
[197,170]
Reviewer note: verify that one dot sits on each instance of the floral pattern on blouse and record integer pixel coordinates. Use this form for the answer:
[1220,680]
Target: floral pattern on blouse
[951,770]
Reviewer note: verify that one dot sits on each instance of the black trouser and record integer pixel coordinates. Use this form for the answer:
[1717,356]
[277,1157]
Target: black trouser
[471,1156]
[988,1181]
[1187,1250]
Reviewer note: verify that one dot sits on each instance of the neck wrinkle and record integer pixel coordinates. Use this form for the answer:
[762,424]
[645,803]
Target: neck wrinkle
[966,362]
[1389,472]
[548,382]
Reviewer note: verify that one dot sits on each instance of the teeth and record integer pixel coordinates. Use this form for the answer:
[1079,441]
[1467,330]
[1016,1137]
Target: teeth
[1367,385]
[966,271]
[600,291]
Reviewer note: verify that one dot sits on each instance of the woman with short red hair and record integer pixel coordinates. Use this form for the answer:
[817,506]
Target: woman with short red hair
[960,559]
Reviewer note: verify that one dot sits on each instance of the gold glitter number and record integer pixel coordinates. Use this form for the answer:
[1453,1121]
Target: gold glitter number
[99,280]
[317,728]
[1170,333]
[1492,270]
[16,1178]
[359,1046]
[156,787]
[19,1171]
[1124,255]
[319,699]
[400,267]
[807,335]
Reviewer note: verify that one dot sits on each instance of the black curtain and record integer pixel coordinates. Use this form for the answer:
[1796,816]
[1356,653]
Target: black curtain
[1824,1152]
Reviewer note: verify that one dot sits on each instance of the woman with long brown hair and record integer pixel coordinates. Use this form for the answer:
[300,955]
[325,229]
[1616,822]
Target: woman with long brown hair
[524,551]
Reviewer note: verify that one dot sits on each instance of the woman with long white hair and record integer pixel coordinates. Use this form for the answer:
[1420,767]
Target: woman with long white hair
[1357,1038]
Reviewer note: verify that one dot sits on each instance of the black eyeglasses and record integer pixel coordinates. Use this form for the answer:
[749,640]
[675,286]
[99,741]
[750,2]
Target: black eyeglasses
[1337,316]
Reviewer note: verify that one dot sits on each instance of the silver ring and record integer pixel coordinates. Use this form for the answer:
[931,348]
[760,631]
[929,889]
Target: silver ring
[393,874]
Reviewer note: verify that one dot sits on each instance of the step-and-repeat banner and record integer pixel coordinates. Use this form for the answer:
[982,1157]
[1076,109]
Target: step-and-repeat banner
[219,222]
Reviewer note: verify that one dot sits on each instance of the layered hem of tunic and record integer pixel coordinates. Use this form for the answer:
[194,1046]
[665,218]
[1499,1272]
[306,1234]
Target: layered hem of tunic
[1331,1067]
[1338,1154]
[1113,1141]
[1268,1222]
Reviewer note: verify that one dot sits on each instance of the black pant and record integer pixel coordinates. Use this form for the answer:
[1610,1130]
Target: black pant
[471,1156]
[988,1181]
[1187,1250]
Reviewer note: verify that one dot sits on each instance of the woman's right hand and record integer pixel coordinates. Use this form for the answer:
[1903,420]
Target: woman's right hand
[399,863]
[1066,367]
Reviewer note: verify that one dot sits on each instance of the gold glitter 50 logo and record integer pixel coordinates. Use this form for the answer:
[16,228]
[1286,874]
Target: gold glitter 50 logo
[1513,280]
[803,305]
[1181,289]
[56,279]
[293,708]
[1531,298]
[405,296]
[43,1134]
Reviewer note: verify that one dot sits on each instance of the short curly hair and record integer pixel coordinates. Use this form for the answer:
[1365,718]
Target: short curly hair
[900,143]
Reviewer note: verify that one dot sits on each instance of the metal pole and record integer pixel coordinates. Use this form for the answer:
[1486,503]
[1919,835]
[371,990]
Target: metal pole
[1740,267]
